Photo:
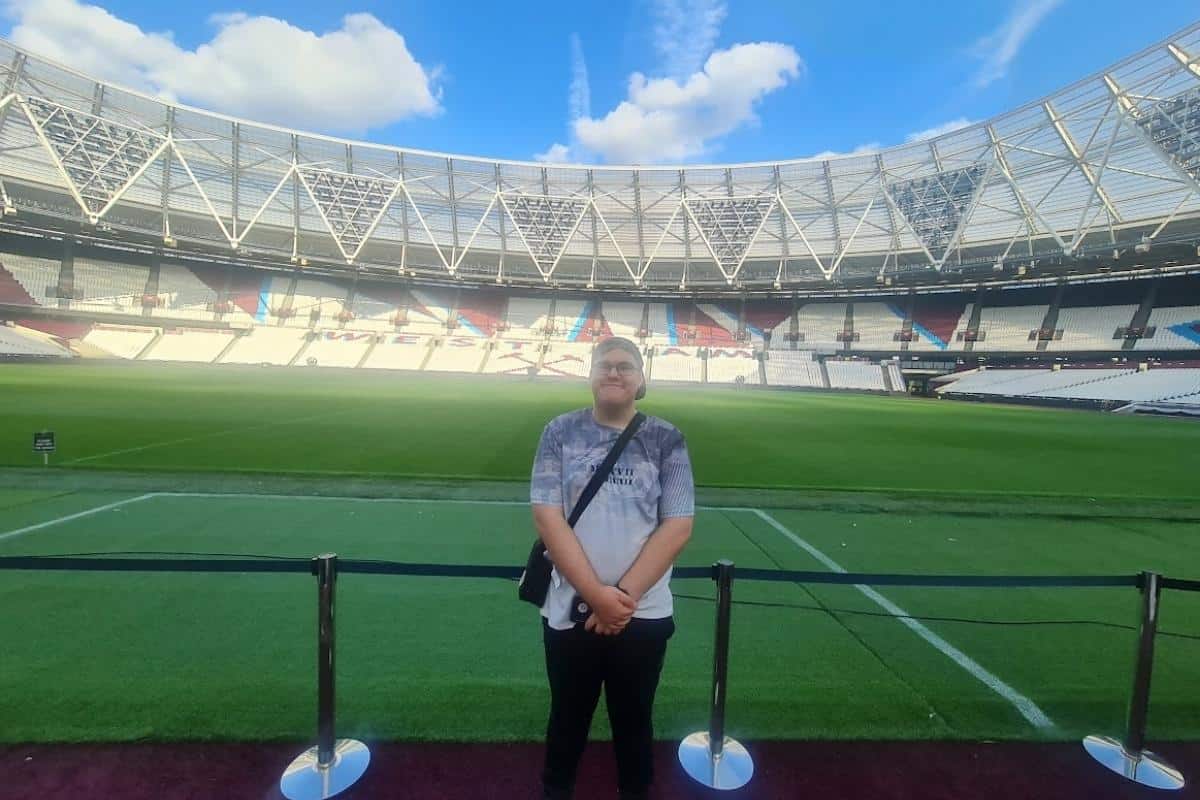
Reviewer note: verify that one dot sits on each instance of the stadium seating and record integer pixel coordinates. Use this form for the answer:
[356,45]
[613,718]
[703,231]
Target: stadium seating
[658,324]
[184,295]
[717,325]
[266,345]
[336,348]
[14,342]
[1007,328]
[768,316]
[1043,381]
[676,363]
[987,381]
[399,351]
[38,277]
[322,299]
[819,324]
[480,313]
[180,344]
[937,321]
[896,377]
[428,313]
[106,286]
[509,357]
[855,375]
[567,360]
[624,319]
[1091,328]
[1176,328]
[457,354]
[120,340]
[876,324]
[376,306]
[733,365]
[1129,386]
[528,318]
[572,320]
[793,368]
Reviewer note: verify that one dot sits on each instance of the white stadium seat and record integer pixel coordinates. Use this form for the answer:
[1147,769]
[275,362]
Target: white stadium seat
[189,345]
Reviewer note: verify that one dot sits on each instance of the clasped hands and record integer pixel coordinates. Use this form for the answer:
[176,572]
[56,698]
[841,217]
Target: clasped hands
[612,609]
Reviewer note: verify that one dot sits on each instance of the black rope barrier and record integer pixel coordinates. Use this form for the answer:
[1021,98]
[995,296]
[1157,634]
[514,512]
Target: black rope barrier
[227,562]
[831,610]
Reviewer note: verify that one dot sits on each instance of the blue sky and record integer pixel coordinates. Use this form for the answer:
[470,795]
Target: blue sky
[622,81]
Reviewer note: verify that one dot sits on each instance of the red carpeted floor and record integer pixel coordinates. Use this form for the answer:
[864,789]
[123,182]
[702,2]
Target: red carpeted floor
[922,771]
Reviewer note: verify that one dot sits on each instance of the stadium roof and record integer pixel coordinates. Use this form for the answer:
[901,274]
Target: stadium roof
[1109,163]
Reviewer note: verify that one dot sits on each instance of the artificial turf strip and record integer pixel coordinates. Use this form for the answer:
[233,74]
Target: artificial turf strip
[114,657]
[359,422]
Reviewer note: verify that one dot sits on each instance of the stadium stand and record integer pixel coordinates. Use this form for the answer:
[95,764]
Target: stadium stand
[819,325]
[718,323]
[659,330]
[767,316]
[793,368]
[182,344]
[513,357]
[428,312]
[1008,328]
[1175,328]
[185,295]
[572,320]
[896,377]
[120,340]
[480,313]
[316,302]
[566,360]
[1126,386]
[1051,380]
[676,363]
[108,286]
[15,342]
[855,375]
[399,351]
[528,318]
[12,292]
[457,354]
[265,345]
[696,327]
[38,277]
[624,319]
[334,348]
[938,320]
[1091,328]
[733,365]
[876,324]
[378,307]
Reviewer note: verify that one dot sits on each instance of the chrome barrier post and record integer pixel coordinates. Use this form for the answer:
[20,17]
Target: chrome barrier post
[332,766]
[1129,758]
[710,757]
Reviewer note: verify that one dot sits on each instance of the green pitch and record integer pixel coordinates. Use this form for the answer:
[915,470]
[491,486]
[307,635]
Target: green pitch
[939,487]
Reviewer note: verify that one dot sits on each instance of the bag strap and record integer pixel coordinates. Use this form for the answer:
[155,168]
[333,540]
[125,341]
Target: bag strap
[606,466]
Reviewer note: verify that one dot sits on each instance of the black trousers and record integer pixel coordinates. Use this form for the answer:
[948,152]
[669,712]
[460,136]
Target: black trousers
[628,666]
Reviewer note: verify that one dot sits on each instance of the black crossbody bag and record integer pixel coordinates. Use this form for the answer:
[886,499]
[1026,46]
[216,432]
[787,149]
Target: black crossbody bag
[535,580]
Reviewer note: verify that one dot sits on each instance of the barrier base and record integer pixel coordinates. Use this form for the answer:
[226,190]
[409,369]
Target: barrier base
[305,780]
[732,769]
[1142,767]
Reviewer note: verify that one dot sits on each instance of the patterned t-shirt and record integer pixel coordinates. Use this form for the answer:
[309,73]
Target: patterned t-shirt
[651,481]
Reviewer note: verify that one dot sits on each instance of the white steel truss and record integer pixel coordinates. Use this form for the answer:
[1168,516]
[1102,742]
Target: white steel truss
[97,158]
[729,226]
[350,205]
[935,205]
[546,225]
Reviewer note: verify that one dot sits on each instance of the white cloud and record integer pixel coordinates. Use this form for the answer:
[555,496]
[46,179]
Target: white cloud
[685,32]
[555,154]
[579,94]
[998,48]
[862,149]
[668,120]
[358,77]
[938,130]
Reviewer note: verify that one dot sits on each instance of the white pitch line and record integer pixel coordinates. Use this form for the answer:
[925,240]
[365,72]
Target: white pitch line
[69,517]
[1027,708]
[200,436]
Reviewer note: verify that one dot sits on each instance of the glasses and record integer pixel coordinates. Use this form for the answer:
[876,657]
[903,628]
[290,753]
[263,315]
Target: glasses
[625,369]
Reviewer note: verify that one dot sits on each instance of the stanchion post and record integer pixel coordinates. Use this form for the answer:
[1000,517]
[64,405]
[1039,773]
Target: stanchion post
[710,757]
[333,765]
[1130,758]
